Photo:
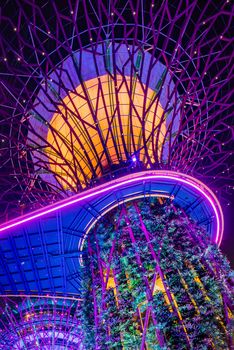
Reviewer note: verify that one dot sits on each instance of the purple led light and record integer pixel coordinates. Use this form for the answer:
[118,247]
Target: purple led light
[127,180]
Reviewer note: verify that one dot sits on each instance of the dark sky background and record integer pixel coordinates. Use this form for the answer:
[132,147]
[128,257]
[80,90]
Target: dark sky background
[227,245]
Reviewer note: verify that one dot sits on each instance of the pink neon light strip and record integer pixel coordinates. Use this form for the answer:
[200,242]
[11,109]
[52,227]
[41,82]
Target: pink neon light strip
[122,182]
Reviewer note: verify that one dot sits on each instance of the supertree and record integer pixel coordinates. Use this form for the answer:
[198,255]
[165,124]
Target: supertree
[97,91]
[31,322]
[88,88]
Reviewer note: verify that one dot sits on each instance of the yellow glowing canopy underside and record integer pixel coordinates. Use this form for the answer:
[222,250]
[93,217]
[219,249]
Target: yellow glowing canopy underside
[96,121]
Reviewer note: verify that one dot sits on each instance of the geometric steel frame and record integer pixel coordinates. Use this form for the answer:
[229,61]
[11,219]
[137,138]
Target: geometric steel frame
[89,107]
[37,42]
[33,321]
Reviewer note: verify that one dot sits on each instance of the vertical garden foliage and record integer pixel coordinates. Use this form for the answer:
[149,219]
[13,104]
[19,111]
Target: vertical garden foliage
[154,281]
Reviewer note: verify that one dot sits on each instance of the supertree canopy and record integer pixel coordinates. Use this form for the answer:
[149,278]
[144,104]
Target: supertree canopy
[116,128]
[88,87]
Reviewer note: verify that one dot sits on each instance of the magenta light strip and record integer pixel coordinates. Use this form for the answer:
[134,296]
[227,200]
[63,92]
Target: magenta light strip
[127,180]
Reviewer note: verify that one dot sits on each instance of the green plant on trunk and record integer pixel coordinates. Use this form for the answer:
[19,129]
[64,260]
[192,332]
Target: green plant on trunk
[155,278]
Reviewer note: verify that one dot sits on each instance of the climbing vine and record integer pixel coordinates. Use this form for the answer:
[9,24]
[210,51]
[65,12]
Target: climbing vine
[155,281]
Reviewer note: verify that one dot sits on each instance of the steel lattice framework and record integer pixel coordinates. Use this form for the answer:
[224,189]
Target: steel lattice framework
[94,87]
[29,322]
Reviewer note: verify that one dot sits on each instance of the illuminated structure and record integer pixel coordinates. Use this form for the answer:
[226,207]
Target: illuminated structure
[105,105]
[40,323]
